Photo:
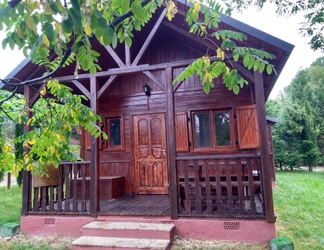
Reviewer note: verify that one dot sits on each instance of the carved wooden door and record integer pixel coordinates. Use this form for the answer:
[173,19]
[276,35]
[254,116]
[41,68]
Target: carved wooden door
[150,154]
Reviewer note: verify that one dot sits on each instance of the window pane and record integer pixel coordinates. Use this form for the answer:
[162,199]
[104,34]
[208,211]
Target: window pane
[114,137]
[222,125]
[202,130]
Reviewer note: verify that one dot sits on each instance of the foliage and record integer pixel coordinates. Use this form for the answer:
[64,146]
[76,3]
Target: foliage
[55,33]
[2,171]
[313,12]
[19,149]
[298,138]
[298,201]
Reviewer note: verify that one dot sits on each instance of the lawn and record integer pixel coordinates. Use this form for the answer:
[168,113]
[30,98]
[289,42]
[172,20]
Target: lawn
[298,200]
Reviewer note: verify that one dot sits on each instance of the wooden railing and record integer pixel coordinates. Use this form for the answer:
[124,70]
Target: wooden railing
[71,196]
[220,186]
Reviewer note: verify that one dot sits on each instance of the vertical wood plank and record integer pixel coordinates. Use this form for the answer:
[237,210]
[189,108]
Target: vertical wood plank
[51,198]
[229,185]
[266,171]
[67,188]
[240,184]
[44,198]
[75,187]
[209,203]
[170,128]
[36,199]
[60,189]
[83,187]
[26,185]
[218,188]
[251,186]
[197,186]
[94,167]
[187,191]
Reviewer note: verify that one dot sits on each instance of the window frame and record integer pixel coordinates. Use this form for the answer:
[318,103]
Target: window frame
[106,144]
[214,147]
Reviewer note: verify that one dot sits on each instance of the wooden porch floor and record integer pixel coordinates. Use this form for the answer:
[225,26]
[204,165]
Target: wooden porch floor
[148,205]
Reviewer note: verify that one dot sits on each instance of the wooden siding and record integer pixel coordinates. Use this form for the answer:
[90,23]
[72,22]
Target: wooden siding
[125,98]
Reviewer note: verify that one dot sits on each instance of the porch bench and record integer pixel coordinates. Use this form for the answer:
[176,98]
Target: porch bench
[110,187]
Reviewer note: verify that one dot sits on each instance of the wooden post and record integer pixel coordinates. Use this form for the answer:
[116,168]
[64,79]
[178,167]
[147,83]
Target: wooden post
[263,141]
[26,181]
[171,148]
[94,165]
[9,181]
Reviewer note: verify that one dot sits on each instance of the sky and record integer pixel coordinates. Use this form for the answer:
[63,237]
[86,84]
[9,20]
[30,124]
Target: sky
[266,20]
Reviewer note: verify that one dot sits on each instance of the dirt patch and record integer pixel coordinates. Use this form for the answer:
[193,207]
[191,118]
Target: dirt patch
[61,243]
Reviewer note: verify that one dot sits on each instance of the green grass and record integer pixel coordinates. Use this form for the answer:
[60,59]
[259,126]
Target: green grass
[299,205]
[10,204]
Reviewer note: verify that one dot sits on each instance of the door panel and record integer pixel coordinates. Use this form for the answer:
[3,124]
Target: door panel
[150,155]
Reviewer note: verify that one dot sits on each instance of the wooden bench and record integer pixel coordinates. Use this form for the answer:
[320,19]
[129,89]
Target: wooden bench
[110,187]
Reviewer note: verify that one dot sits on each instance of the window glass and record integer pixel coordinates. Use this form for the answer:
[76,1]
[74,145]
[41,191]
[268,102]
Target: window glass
[202,130]
[114,133]
[222,128]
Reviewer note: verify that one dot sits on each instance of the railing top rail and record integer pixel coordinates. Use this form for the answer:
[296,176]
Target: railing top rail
[216,157]
[75,163]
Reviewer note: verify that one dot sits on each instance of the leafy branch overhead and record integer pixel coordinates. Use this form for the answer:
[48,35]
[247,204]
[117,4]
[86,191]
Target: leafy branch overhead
[55,33]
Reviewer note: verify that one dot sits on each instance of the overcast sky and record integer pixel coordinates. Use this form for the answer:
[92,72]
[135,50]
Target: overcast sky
[266,20]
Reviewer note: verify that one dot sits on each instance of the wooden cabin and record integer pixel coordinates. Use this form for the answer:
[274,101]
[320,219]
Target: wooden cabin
[174,153]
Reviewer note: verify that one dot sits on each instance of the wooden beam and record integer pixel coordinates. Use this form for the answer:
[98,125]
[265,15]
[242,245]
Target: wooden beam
[127,55]
[80,86]
[94,165]
[106,85]
[36,96]
[150,37]
[154,79]
[114,55]
[132,69]
[171,149]
[26,185]
[265,163]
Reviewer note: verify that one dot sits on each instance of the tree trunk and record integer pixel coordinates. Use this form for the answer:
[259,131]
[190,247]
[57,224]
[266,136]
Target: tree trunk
[310,168]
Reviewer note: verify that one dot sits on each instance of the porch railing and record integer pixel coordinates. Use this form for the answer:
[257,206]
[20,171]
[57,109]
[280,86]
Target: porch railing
[220,186]
[71,196]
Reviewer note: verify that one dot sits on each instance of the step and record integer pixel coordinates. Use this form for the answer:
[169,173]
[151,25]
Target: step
[114,243]
[136,230]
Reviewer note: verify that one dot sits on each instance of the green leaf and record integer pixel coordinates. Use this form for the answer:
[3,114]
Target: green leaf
[138,10]
[269,69]
[236,89]
[75,4]
[256,65]
[246,60]
[93,21]
[261,67]
[67,25]
[104,136]
[4,43]
[114,40]
[251,62]
[236,56]
[93,70]
[124,6]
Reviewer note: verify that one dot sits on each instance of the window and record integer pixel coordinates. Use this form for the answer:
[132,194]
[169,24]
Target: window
[114,130]
[213,129]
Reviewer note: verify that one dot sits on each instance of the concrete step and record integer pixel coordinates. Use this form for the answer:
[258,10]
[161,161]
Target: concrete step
[114,243]
[135,230]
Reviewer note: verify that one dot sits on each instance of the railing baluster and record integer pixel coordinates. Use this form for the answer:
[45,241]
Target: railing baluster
[251,186]
[51,198]
[67,188]
[228,169]
[187,192]
[218,188]
[36,197]
[197,187]
[240,184]
[75,186]
[83,188]
[44,195]
[209,203]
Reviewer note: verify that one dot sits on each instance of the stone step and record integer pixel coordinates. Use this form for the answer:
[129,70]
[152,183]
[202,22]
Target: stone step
[135,230]
[114,243]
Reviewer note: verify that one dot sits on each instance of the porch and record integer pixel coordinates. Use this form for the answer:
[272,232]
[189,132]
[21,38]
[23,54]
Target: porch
[207,186]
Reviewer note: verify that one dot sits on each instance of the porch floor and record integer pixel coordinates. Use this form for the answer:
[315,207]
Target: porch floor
[149,205]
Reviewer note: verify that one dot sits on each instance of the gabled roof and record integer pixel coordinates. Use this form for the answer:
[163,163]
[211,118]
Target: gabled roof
[178,30]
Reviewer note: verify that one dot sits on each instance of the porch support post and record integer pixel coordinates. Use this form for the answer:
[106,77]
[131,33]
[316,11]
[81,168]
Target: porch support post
[26,182]
[171,148]
[262,126]
[94,165]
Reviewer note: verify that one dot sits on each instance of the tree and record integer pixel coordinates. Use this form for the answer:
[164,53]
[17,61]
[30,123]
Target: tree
[313,12]
[42,29]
